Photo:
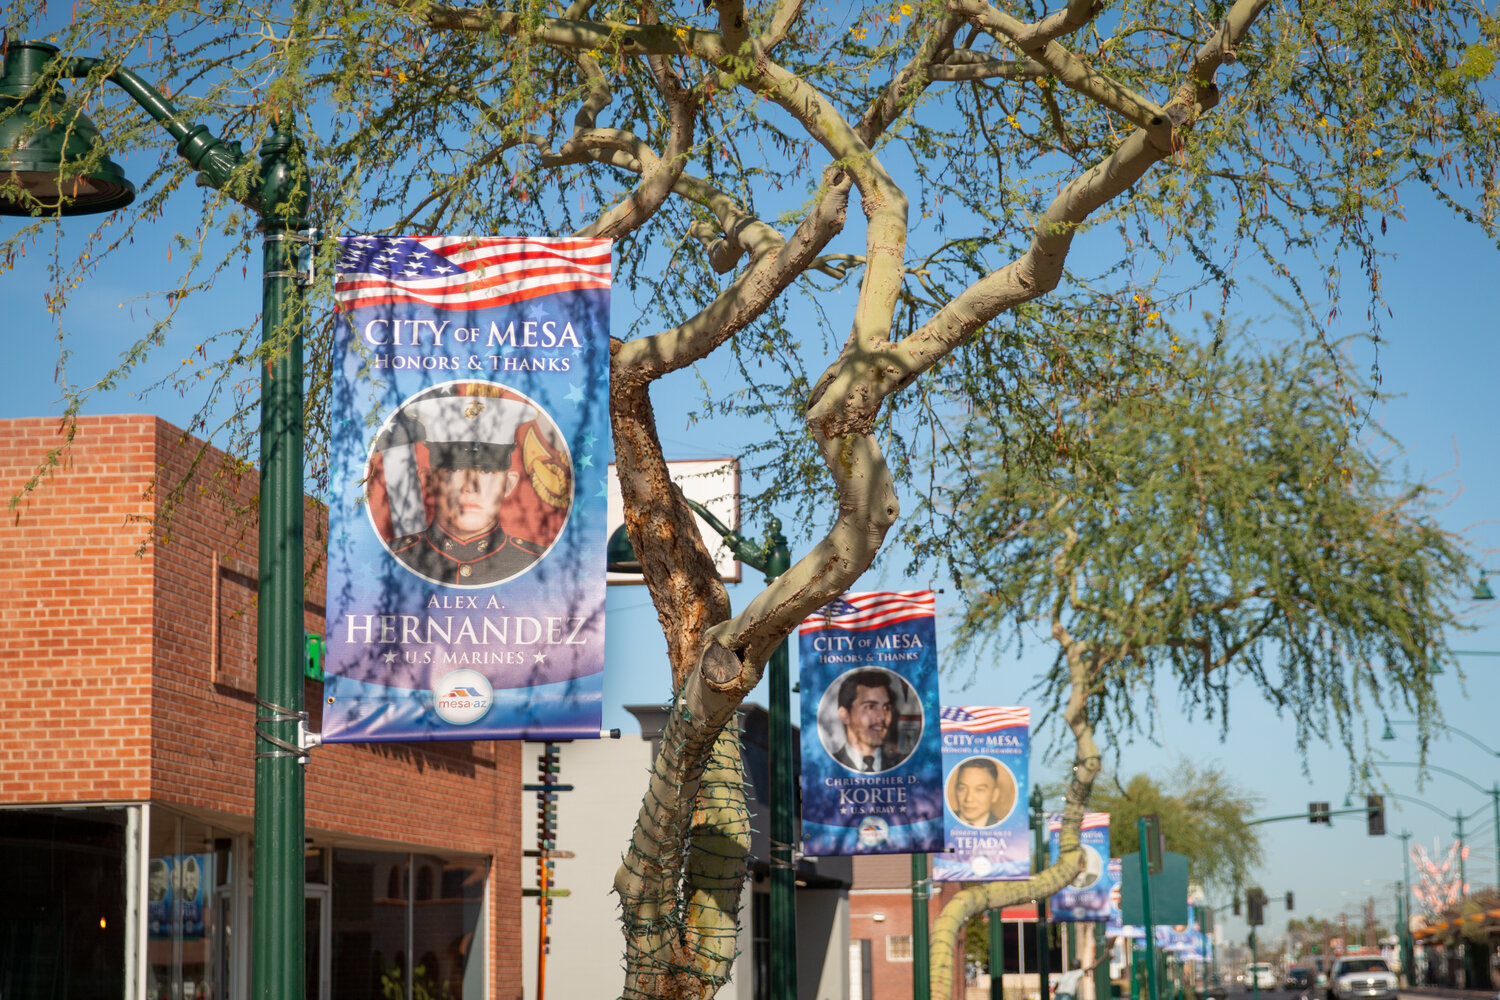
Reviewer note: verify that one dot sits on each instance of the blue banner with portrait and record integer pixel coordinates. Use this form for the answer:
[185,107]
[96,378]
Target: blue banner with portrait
[1087,897]
[467,481]
[1114,923]
[987,834]
[871,761]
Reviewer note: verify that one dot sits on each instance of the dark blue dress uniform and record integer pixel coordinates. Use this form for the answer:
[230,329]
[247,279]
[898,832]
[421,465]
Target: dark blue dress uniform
[487,558]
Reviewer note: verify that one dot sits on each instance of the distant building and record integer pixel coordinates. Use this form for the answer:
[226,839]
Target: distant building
[881,955]
[126,771]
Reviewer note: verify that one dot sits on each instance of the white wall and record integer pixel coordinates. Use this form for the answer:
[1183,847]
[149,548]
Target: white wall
[594,821]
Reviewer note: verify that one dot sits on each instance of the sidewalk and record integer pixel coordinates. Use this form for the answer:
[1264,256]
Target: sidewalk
[1448,992]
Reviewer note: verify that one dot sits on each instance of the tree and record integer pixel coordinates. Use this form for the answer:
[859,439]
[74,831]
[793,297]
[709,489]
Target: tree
[1203,816]
[722,146]
[1215,525]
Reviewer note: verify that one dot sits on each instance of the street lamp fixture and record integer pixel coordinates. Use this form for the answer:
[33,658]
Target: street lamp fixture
[51,162]
[37,158]
[619,554]
[1482,589]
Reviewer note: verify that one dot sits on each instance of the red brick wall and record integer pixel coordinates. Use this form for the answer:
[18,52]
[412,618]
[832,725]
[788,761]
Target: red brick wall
[133,675]
[76,602]
[882,887]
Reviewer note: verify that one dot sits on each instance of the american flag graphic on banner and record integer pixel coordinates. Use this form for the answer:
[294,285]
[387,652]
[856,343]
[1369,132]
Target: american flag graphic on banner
[1091,821]
[872,610]
[982,719]
[464,272]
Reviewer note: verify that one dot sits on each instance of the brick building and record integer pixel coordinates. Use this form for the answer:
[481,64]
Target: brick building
[881,957]
[126,771]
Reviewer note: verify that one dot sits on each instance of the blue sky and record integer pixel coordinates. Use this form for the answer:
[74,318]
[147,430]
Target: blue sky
[1440,359]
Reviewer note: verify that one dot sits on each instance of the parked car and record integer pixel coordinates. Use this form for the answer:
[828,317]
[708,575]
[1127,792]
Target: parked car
[1260,976]
[1297,979]
[1361,977]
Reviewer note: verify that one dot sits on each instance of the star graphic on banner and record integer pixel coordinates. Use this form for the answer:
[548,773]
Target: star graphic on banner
[586,462]
[390,657]
[589,439]
[539,658]
[603,489]
[575,394]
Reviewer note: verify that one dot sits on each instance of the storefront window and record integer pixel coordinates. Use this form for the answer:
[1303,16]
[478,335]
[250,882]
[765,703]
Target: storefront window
[369,925]
[407,927]
[445,925]
[62,928]
[181,919]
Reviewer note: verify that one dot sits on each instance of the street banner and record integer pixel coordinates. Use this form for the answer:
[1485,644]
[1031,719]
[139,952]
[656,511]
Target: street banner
[871,761]
[1086,898]
[986,832]
[1114,924]
[1184,941]
[466,523]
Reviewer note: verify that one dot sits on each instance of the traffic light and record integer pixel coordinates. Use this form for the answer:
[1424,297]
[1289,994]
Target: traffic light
[1289,900]
[1375,815]
[1317,812]
[1236,904]
[1255,902]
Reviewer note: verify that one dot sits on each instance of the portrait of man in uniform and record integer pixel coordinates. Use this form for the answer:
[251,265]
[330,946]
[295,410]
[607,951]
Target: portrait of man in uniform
[481,446]
[981,792]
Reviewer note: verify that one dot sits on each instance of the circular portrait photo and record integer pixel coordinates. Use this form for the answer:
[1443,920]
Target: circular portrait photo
[187,879]
[981,792]
[1092,870]
[469,484]
[158,880]
[870,719]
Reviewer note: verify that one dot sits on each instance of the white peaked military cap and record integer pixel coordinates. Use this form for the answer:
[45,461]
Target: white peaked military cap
[470,432]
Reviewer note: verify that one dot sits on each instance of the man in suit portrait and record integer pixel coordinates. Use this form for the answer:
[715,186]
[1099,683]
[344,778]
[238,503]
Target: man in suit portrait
[866,708]
[978,795]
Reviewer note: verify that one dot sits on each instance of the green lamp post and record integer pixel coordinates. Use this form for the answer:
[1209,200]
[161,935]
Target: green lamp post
[52,165]
[1407,958]
[1039,862]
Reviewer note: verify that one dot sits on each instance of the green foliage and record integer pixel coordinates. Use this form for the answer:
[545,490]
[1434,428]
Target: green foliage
[1217,519]
[422,117]
[852,223]
[1204,816]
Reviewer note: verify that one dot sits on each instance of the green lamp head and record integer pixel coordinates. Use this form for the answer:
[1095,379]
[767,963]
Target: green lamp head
[1482,591]
[619,554]
[33,157]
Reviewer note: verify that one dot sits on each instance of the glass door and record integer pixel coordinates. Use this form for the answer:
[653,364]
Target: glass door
[318,960]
